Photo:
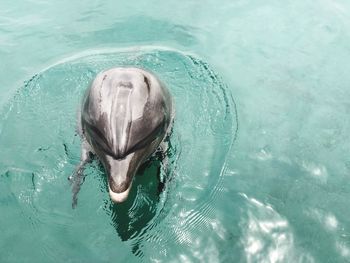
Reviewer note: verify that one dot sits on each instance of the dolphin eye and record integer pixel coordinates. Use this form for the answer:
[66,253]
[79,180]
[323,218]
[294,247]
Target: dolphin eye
[151,137]
[101,142]
[98,138]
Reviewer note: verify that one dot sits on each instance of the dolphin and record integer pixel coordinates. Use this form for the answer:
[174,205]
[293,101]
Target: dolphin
[125,115]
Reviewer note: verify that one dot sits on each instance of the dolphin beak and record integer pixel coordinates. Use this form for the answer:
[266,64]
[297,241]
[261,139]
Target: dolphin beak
[119,197]
[120,175]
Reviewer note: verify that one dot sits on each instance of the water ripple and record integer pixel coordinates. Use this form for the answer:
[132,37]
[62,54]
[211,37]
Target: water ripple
[173,211]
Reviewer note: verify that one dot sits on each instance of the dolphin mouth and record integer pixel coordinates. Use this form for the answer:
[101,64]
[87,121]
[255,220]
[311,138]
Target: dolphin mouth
[120,196]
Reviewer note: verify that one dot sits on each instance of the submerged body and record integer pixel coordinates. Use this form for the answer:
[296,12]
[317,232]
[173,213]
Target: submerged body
[125,115]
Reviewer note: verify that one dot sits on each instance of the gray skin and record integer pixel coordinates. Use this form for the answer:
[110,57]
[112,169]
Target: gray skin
[125,115]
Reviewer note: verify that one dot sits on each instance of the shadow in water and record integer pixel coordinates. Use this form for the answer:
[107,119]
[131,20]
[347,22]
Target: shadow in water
[133,217]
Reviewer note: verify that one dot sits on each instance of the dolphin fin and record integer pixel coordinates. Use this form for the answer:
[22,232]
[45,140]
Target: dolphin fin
[77,177]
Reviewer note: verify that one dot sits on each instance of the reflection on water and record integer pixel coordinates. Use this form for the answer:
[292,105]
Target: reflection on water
[268,236]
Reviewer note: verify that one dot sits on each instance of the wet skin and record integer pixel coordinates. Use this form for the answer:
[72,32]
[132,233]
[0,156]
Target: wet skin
[125,115]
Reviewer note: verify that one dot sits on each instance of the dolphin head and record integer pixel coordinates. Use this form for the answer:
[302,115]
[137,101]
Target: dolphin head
[125,115]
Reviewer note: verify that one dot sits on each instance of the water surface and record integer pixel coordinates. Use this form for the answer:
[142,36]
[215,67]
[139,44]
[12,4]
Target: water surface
[279,192]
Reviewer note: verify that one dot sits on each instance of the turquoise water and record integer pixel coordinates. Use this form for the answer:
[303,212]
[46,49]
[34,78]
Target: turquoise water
[258,161]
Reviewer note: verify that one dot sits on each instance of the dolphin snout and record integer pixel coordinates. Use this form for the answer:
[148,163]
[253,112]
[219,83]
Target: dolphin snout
[119,197]
[119,187]
[120,176]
